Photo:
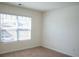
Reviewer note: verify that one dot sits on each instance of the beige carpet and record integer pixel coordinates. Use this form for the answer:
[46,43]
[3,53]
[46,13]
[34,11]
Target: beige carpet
[35,52]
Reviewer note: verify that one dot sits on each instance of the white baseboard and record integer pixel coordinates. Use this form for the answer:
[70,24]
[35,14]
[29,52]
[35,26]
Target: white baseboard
[57,50]
[3,52]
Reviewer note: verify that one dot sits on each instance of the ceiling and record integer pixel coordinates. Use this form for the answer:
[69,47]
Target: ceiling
[42,6]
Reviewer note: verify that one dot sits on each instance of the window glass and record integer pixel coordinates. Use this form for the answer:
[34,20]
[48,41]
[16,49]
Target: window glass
[14,28]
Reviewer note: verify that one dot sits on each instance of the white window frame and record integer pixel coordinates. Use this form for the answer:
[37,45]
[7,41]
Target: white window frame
[16,30]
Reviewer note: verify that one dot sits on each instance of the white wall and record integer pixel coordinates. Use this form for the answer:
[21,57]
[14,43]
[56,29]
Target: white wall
[36,29]
[61,30]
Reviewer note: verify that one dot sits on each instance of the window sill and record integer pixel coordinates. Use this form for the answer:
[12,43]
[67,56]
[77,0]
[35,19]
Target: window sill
[15,41]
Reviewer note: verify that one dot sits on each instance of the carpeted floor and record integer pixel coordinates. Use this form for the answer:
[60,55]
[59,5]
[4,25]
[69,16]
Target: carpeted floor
[35,52]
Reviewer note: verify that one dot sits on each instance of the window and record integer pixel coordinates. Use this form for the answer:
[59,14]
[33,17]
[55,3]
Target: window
[13,28]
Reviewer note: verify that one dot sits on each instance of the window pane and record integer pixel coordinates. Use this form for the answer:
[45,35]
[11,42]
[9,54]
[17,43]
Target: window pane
[8,35]
[9,22]
[24,28]
[24,35]
[24,23]
[8,28]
